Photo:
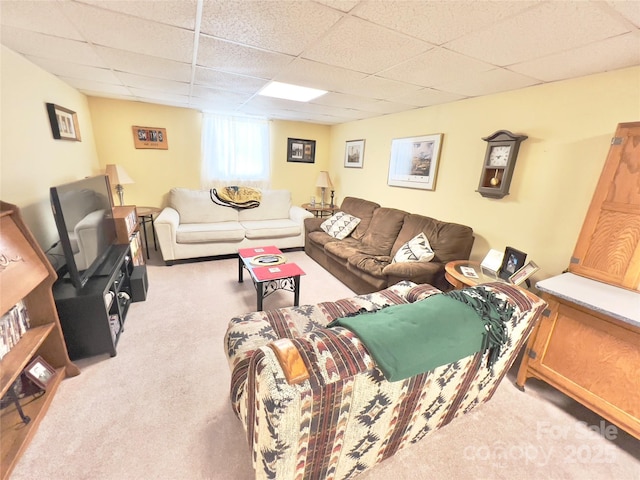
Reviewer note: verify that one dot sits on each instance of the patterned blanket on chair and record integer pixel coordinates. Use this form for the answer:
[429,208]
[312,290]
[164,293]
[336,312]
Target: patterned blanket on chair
[236,197]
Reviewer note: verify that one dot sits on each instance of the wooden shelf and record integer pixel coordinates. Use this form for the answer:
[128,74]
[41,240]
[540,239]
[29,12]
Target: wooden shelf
[27,277]
[15,433]
[14,362]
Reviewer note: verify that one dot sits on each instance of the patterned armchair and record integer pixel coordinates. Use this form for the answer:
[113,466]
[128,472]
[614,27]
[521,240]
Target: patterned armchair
[314,404]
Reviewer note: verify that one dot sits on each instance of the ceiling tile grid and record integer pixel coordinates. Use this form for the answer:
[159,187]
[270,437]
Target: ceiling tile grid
[373,57]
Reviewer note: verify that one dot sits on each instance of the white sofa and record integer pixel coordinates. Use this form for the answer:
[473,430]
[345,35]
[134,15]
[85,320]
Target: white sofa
[193,226]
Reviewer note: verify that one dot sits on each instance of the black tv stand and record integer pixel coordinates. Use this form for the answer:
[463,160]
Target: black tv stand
[92,318]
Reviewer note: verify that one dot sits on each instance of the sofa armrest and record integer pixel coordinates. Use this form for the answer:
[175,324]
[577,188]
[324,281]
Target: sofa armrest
[166,226]
[299,214]
[312,224]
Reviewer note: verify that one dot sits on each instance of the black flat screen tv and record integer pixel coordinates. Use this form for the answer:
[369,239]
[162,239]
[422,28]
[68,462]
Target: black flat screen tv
[83,212]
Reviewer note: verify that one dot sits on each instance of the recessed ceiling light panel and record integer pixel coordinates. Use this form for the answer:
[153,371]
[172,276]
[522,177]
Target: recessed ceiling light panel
[288,91]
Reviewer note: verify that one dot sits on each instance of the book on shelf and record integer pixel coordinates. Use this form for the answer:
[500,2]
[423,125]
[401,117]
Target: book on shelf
[13,325]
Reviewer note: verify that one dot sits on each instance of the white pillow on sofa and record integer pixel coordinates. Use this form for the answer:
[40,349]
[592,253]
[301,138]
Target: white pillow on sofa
[340,225]
[415,250]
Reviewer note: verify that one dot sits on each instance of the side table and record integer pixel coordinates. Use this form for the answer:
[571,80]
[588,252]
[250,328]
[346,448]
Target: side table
[145,214]
[453,272]
[320,211]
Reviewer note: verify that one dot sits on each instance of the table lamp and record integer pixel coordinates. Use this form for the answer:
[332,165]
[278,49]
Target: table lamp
[118,177]
[324,182]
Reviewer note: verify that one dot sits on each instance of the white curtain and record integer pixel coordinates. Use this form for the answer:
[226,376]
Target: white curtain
[235,151]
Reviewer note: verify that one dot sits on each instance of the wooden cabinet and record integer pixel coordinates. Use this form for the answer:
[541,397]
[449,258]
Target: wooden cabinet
[26,274]
[608,248]
[587,345]
[588,342]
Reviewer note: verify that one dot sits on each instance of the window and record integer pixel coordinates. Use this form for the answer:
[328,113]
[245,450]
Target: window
[235,151]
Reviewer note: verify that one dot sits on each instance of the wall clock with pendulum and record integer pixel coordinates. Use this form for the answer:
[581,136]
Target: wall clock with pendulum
[499,163]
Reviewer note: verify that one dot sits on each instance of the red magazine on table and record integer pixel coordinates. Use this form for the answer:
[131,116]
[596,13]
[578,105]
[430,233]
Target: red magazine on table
[276,272]
[253,252]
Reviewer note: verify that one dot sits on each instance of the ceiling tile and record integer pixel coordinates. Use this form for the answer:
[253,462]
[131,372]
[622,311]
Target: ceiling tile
[628,9]
[221,95]
[610,54]
[179,13]
[364,47]
[439,21]
[74,70]
[318,75]
[149,95]
[435,67]
[134,34]
[427,97]
[230,57]
[37,16]
[90,86]
[137,63]
[549,28]
[486,83]
[228,81]
[152,83]
[46,46]
[261,23]
[380,88]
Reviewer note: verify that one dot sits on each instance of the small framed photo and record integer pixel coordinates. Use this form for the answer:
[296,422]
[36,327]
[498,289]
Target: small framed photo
[512,261]
[354,154]
[524,273]
[64,123]
[40,372]
[299,150]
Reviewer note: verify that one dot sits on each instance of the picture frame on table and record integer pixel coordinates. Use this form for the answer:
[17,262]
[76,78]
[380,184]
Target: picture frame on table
[302,151]
[512,261]
[64,123]
[414,161]
[40,372]
[524,273]
[354,154]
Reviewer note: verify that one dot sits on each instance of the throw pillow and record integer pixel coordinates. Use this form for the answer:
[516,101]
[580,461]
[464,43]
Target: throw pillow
[415,250]
[340,225]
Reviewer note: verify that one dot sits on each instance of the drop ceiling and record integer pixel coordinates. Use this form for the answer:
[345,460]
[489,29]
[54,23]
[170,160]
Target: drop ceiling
[375,57]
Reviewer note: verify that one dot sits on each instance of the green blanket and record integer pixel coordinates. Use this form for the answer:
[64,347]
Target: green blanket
[405,340]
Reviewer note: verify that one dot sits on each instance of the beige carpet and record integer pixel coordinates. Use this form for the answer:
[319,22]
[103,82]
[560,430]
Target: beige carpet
[160,408]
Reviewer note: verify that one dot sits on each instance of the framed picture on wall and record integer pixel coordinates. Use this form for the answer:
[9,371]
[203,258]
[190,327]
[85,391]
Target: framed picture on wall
[150,137]
[64,123]
[414,162]
[299,150]
[354,154]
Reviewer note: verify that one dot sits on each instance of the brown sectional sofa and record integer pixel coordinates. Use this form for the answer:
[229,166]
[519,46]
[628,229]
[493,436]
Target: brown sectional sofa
[363,260]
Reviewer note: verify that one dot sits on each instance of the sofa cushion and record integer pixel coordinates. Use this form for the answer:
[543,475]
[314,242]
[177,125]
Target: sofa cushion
[370,264]
[271,228]
[196,206]
[363,209]
[415,250]
[344,248]
[209,232]
[275,204]
[449,241]
[340,225]
[383,229]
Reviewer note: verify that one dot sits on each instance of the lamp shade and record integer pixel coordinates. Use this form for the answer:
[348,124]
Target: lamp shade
[323,180]
[118,175]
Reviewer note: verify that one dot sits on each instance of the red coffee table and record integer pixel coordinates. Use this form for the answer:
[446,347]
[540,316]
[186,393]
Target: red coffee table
[268,279]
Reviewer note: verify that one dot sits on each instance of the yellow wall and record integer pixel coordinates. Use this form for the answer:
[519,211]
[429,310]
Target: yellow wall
[569,125]
[31,159]
[154,172]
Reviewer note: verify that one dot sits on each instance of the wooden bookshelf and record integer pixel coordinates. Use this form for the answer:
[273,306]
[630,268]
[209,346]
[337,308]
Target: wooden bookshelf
[27,275]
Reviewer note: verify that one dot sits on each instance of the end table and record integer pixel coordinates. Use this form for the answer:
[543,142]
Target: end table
[320,211]
[145,214]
